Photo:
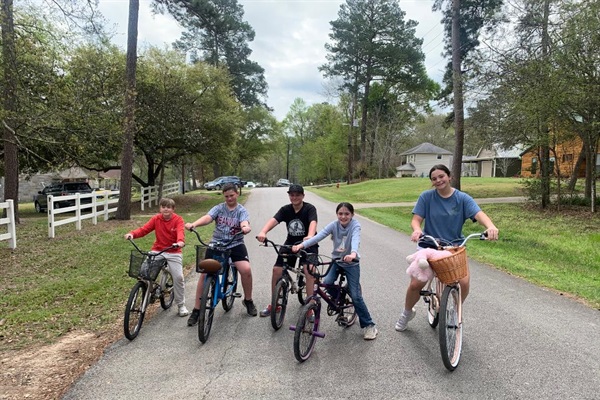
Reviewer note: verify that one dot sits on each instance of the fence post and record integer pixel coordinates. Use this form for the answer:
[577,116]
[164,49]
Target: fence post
[78,211]
[50,209]
[12,243]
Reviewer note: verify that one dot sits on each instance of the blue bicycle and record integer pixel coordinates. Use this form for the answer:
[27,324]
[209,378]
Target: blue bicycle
[220,282]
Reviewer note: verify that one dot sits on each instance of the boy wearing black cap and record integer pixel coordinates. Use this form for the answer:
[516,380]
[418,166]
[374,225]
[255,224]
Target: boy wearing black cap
[301,221]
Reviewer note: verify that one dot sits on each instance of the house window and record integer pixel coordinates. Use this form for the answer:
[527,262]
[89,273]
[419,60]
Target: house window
[534,167]
[439,157]
[567,158]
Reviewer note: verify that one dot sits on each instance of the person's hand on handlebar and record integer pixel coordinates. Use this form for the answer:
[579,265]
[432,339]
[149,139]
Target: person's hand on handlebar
[297,247]
[492,233]
[179,244]
[349,257]
[261,236]
[128,236]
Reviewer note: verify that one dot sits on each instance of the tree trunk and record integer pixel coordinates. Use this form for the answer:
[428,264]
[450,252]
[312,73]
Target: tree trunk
[576,168]
[545,132]
[459,116]
[11,152]
[124,206]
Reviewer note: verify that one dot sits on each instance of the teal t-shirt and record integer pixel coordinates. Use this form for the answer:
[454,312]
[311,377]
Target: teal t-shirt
[445,217]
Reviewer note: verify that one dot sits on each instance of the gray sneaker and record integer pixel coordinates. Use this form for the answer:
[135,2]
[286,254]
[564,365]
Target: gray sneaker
[370,332]
[403,320]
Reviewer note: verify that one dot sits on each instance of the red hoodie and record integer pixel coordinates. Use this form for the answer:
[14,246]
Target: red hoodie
[167,232]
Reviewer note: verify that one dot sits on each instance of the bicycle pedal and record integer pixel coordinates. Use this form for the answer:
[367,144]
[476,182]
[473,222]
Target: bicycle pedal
[237,295]
[425,293]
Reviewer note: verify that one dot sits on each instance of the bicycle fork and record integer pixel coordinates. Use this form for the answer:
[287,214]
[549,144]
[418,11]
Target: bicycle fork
[317,315]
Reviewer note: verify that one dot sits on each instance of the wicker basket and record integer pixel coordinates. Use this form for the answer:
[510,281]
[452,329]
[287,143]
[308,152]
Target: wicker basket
[452,268]
[142,266]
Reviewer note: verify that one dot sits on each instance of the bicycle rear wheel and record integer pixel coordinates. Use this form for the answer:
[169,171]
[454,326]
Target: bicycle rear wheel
[432,305]
[167,294]
[207,308]
[230,281]
[134,314]
[279,303]
[304,336]
[450,330]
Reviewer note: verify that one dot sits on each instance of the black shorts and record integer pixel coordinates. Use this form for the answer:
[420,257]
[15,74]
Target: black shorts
[238,253]
[304,260]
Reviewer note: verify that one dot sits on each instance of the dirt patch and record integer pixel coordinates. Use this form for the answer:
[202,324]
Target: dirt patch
[48,371]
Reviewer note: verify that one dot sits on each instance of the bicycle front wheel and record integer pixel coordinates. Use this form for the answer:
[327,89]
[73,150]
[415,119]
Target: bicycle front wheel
[230,282]
[207,308]
[347,316]
[450,329]
[167,294]
[134,312]
[279,303]
[304,336]
[301,282]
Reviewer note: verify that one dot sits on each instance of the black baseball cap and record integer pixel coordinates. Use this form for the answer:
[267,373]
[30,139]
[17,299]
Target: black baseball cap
[296,189]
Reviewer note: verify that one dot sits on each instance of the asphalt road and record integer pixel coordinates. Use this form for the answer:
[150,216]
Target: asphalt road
[521,341]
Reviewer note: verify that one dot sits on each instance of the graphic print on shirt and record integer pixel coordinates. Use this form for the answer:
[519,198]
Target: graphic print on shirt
[296,228]
[342,247]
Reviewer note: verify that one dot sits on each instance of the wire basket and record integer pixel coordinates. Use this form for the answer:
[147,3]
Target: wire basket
[213,265]
[452,268]
[143,266]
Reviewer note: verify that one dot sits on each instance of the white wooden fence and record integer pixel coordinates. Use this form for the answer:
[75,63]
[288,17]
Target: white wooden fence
[150,193]
[9,221]
[98,205]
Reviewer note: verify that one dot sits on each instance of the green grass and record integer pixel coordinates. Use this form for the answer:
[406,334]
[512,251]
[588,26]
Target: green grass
[78,280]
[408,189]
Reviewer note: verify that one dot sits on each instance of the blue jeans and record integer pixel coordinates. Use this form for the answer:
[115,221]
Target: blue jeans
[353,276]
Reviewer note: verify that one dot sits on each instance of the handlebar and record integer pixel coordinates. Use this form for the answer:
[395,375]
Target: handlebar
[442,244]
[283,249]
[173,246]
[216,245]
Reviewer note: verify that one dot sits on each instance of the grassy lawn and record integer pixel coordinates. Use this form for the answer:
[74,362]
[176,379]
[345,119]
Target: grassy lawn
[558,250]
[78,280]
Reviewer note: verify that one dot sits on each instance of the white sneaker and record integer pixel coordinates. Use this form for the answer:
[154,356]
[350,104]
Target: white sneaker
[370,332]
[183,312]
[403,320]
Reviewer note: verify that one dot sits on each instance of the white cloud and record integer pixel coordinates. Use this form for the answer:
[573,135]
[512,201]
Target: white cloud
[289,42]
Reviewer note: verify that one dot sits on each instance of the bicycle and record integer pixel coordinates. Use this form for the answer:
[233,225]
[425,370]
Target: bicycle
[220,282]
[285,284]
[154,282]
[442,294]
[338,300]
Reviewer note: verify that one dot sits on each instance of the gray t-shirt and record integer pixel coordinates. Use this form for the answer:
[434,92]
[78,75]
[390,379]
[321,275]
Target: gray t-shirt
[227,223]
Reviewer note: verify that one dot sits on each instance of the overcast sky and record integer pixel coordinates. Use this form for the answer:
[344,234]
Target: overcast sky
[289,42]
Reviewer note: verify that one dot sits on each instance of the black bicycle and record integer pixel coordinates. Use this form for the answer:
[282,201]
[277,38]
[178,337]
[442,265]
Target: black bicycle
[286,284]
[154,282]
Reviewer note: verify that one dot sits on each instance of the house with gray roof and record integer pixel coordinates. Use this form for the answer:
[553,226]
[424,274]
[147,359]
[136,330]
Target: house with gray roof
[417,162]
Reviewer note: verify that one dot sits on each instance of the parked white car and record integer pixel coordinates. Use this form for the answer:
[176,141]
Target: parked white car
[250,184]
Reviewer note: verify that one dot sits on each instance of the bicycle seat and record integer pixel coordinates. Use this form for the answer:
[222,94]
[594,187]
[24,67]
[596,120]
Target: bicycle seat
[209,266]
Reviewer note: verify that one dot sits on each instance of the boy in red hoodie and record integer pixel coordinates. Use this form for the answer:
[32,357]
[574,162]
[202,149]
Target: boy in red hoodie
[168,228]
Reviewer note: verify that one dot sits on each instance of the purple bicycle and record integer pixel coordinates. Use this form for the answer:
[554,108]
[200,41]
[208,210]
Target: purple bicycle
[339,303]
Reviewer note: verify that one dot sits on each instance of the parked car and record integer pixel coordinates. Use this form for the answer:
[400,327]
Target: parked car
[283,182]
[218,183]
[61,189]
[250,184]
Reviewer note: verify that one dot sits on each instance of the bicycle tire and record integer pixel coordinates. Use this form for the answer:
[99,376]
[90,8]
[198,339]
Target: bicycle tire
[134,312]
[167,293]
[433,316]
[304,335]
[207,308]
[450,329]
[301,284]
[347,316]
[279,303]
[231,279]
